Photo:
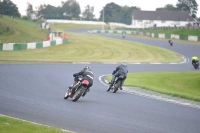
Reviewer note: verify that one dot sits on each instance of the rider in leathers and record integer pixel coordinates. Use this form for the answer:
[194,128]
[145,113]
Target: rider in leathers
[120,70]
[194,60]
[86,74]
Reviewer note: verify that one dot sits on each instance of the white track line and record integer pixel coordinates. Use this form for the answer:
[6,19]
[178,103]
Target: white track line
[157,97]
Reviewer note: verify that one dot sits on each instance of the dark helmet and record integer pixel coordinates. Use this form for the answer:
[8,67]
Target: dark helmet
[87,68]
[124,64]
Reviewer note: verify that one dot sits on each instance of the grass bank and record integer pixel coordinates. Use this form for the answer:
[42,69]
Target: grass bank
[23,31]
[10,125]
[177,84]
[69,26]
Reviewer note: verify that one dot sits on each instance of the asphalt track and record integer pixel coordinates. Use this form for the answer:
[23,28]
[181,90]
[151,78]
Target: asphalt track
[34,92]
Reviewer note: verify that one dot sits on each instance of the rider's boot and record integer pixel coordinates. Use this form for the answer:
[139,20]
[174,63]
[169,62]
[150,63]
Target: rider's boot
[120,88]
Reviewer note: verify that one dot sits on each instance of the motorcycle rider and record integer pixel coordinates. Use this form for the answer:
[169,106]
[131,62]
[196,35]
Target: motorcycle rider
[194,59]
[170,41]
[86,74]
[120,70]
[123,34]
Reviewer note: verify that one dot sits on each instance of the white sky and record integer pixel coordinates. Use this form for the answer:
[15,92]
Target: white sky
[147,5]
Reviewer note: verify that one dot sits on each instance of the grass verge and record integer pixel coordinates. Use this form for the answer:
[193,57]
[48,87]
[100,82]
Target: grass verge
[178,84]
[11,125]
[68,26]
[92,48]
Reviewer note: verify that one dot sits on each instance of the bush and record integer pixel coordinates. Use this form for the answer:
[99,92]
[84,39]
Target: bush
[6,30]
[25,18]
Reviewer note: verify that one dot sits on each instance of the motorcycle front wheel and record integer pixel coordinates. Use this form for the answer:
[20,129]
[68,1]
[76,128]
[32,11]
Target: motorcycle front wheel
[66,94]
[116,86]
[109,87]
[78,93]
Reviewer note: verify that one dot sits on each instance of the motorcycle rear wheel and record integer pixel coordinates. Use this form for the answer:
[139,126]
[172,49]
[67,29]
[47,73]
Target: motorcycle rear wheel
[116,86]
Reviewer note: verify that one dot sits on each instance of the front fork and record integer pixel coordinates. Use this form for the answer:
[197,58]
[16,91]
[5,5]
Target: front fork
[74,88]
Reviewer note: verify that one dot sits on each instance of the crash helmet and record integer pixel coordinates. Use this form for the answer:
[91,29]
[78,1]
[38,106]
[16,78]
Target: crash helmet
[124,64]
[88,68]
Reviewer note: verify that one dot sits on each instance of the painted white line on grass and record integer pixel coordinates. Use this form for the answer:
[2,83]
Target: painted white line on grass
[153,96]
[81,63]
[35,123]
[110,63]
[161,98]
[155,63]
[173,63]
[135,63]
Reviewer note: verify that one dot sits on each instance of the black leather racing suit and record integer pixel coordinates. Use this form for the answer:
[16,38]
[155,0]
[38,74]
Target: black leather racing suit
[87,75]
[120,70]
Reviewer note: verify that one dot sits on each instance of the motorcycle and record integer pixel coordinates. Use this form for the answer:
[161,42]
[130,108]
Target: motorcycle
[79,89]
[117,82]
[170,42]
[196,65]
[123,35]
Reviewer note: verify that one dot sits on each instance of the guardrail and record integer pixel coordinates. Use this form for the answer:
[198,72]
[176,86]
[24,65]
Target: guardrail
[154,35]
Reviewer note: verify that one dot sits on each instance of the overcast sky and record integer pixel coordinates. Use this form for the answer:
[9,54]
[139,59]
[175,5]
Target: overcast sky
[147,5]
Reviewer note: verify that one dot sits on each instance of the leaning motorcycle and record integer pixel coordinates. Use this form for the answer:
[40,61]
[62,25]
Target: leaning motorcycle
[79,89]
[115,86]
[170,42]
[196,65]
[123,35]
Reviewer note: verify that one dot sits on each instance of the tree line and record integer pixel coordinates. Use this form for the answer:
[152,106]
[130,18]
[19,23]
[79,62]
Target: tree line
[70,10]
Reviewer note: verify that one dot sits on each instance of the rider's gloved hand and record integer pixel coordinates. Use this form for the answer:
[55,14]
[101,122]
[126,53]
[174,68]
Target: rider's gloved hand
[75,74]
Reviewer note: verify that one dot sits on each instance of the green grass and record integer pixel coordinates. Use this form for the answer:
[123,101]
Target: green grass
[6,30]
[10,125]
[91,48]
[70,26]
[24,31]
[178,84]
[194,32]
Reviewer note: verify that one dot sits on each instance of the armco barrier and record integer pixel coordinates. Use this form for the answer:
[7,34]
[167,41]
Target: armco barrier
[1,46]
[193,38]
[34,45]
[53,43]
[153,35]
[156,35]
[20,46]
[168,36]
[183,37]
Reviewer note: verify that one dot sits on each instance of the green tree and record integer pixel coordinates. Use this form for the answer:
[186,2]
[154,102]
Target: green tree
[190,6]
[49,12]
[29,10]
[111,13]
[88,13]
[39,11]
[71,9]
[128,13]
[168,7]
[116,13]
[7,7]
